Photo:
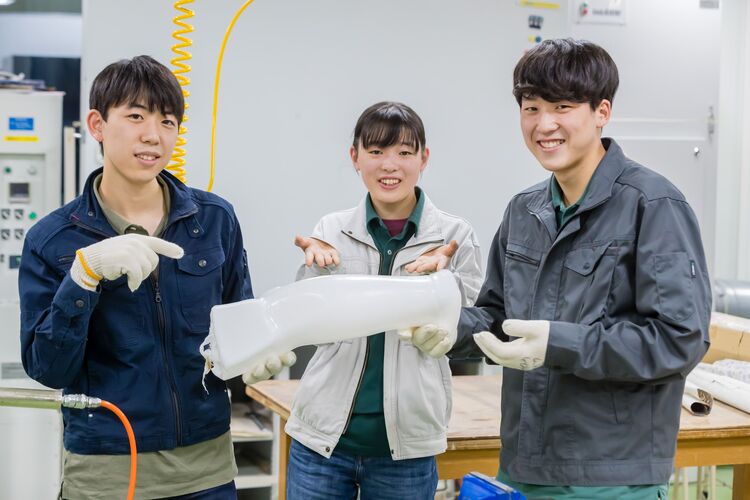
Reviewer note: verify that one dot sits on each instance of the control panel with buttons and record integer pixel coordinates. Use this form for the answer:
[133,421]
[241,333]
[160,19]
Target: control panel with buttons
[31,174]
[23,195]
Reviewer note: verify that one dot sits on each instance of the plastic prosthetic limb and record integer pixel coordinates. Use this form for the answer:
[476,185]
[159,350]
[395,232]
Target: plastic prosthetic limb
[326,309]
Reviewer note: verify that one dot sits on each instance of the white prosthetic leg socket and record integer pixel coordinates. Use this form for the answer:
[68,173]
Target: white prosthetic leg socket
[322,310]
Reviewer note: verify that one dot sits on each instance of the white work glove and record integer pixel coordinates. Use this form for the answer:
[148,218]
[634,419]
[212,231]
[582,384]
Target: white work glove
[133,254]
[525,353]
[270,367]
[430,339]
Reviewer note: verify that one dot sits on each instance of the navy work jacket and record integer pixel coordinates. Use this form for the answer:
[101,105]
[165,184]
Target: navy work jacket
[138,350]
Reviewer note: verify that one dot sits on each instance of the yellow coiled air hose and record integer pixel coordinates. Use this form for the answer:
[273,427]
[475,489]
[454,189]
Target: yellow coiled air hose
[177,167]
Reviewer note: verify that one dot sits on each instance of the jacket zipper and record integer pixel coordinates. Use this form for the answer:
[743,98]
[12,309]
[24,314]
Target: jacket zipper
[78,223]
[367,351]
[367,345]
[362,372]
[163,335]
[521,257]
[162,327]
[356,391]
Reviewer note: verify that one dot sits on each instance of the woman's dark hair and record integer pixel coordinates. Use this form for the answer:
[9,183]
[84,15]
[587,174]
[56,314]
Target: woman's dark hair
[566,70]
[141,80]
[387,123]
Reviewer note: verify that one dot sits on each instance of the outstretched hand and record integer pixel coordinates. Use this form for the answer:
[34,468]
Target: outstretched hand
[434,260]
[317,251]
[526,352]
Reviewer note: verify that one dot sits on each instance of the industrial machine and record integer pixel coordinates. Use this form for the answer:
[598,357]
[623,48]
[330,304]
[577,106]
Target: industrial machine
[30,187]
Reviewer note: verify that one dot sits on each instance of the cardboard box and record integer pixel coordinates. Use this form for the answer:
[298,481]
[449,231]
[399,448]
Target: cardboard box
[730,338]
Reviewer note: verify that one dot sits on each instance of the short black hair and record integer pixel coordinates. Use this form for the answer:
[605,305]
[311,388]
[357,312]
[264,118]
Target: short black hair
[565,69]
[387,123]
[141,80]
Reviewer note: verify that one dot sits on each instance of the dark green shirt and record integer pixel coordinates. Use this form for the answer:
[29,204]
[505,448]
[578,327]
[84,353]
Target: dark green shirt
[365,435]
[563,213]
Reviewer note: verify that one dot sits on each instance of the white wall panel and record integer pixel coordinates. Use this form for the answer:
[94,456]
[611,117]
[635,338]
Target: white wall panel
[298,73]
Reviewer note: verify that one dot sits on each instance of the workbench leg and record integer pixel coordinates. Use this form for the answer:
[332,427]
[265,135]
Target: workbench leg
[741,482]
[674,493]
[699,483]
[712,491]
[285,442]
[685,484]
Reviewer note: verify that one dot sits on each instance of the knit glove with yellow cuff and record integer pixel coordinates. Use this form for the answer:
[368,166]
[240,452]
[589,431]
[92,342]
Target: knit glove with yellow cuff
[135,255]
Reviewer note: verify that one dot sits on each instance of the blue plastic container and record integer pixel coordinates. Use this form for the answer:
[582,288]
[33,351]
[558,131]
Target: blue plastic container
[476,486]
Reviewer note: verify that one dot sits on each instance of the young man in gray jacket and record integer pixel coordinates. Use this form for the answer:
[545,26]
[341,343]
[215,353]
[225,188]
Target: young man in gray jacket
[596,299]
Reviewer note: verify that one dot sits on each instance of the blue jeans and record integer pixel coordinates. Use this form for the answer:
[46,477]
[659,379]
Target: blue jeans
[311,476]
[223,492]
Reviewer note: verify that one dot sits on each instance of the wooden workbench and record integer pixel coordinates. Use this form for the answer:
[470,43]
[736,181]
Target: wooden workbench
[722,438]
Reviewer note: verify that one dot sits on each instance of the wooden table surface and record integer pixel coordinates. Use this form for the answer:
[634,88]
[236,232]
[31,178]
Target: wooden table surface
[721,438]
[476,411]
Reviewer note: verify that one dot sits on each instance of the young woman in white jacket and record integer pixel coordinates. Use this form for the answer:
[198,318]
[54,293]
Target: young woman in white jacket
[371,413]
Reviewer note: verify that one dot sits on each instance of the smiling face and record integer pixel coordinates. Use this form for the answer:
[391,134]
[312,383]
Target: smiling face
[390,174]
[564,136]
[137,142]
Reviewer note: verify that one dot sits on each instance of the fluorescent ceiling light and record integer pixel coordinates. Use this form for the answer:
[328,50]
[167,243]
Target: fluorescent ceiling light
[6,2]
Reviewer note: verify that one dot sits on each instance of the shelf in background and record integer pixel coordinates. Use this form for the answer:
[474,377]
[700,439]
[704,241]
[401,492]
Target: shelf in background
[246,426]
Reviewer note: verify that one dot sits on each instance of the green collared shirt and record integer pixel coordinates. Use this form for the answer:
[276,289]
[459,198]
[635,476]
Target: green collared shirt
[366,434]
[163,473]
[388,245]
[535,491]
[563,213]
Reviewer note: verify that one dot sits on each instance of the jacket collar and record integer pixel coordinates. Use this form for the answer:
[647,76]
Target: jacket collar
[427,228]
[603,181]
[90,213]
[598,191]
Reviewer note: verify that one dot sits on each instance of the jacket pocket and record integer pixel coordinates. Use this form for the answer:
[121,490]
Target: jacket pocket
[587,283]
[200,284]
[622,395]
[118,322]
[673,275]
[424,404]
[324,397]
[519,275]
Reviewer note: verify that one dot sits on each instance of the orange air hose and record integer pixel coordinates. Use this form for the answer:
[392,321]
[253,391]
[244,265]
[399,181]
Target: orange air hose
[133,450]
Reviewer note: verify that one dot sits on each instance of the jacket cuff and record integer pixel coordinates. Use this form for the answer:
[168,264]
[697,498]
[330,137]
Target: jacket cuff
[563,347]
[73,300]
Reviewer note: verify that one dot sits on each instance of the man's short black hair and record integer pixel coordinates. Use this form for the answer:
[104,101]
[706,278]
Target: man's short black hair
[388,123]
[566,70]
[141,80]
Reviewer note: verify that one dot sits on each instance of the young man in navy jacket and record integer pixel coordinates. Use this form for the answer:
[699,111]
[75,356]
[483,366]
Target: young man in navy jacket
[116,289]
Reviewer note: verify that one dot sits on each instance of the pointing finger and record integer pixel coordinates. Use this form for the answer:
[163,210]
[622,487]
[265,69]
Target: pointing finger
[164,248]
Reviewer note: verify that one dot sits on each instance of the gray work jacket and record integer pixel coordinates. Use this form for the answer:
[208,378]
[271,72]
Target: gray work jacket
[416,387]
[625,286]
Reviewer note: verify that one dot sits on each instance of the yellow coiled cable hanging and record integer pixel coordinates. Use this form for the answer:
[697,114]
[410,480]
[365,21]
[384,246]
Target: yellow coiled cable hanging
[216,91]
[177,167]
